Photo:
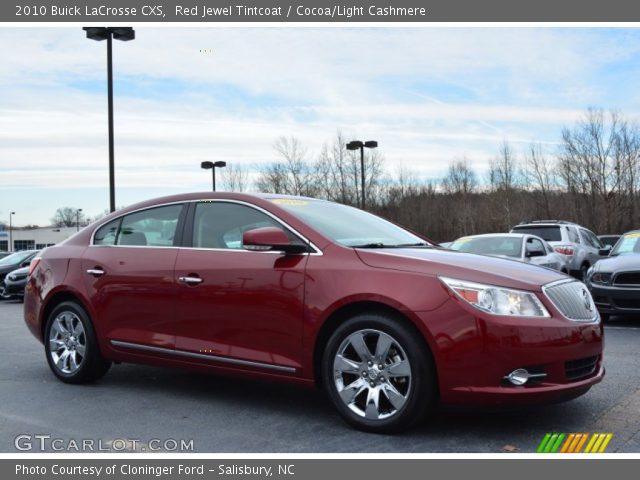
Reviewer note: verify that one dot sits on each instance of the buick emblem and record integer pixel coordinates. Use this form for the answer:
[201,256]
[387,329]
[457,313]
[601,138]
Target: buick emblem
[587,300]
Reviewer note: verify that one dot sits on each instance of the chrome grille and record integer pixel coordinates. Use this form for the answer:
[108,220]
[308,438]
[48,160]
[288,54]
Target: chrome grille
[573,300]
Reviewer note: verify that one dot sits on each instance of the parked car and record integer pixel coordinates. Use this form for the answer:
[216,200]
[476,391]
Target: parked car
[445,244]
[14,283]
[615,281]
[4,254]
[14,261]
[609,240]
[579,245]
[516,246]
[311,292]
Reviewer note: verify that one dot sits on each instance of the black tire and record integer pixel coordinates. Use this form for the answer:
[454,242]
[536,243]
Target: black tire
[92,365]
[605,317]
[583,271]
[420,395]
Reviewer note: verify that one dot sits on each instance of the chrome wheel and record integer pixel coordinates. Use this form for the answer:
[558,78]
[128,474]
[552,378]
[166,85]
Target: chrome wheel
[67,342]
[372,374]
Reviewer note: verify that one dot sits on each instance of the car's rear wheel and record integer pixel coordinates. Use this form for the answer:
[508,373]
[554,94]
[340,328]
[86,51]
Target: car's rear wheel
[71,346]
[584,268]
[378,373]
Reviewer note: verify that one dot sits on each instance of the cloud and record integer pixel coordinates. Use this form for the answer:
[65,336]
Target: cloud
[426,94]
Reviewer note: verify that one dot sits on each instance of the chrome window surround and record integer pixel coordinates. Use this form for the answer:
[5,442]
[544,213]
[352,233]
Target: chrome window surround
[316,252]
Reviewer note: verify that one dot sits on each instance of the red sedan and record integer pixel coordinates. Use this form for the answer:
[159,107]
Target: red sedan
[313,292]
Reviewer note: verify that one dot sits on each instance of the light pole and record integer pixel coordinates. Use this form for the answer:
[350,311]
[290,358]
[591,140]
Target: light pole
[213,166]
[11,214]
[108,34]
[355,145]
[78,219]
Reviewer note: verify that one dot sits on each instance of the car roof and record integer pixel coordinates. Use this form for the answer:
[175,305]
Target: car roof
[489,235]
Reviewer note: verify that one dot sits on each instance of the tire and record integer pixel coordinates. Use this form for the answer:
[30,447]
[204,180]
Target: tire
[405,386]
[605,317]
[69,328]
[583,271]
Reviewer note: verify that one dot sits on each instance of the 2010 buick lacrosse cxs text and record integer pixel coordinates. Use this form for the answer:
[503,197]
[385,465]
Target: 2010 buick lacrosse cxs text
[309,291]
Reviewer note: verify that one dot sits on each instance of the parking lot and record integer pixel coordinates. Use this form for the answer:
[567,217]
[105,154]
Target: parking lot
[233,415]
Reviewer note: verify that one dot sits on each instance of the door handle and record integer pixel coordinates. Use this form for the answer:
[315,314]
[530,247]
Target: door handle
[190,280]
[96,272]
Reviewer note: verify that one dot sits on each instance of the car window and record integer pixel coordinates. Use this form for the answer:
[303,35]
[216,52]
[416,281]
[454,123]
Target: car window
[551,233]
[508,246]
[629,243]
[533,244]
[593,240]
[155,227]
[346,225]
[106,234]
[15,258]
[222,224]
[573,235]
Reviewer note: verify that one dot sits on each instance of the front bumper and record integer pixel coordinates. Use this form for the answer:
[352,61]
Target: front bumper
[475,352]
[612,300]
[13,289]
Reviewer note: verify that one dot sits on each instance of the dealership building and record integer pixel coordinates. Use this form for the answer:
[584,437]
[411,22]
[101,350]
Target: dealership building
[34,238]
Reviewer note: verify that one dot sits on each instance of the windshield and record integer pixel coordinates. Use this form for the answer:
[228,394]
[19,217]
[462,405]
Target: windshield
[509,246]
[629,243]
[348,226]
[15,258]
[550,233]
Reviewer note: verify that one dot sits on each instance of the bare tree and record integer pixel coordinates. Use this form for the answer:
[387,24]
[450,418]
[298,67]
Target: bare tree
[66,217]
[540,175]
[235,178]
[504,178]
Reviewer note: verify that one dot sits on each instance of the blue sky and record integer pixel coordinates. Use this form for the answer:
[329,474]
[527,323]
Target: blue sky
[184,95]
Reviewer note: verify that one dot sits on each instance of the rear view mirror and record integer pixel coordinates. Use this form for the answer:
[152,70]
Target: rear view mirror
[270,239]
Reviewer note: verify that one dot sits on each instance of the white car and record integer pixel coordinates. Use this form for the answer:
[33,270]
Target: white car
[517,246]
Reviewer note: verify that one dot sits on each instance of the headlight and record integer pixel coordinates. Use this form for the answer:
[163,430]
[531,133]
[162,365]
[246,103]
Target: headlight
[497,300]
[601,278]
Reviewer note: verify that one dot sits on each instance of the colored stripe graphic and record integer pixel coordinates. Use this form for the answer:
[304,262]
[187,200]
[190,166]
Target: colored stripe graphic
[573,442]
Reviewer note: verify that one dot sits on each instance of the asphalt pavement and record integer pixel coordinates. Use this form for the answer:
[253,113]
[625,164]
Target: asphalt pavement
[148,408]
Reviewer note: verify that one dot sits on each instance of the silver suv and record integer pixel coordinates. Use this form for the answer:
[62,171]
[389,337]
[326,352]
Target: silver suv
[580,246]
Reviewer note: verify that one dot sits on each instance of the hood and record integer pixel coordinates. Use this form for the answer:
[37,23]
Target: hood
[627,262]
[462,266]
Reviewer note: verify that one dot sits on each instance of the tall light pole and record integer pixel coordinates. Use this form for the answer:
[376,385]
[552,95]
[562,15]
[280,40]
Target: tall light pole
[78,219]
[108,34]
[355,145]
[11,214]
[213,166]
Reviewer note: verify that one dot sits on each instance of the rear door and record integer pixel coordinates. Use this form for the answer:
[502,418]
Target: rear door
[241,308]
[128,272]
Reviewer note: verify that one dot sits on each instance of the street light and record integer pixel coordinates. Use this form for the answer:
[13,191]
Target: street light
[355,145]
[11,214]
[213,166]
[109,33]
[78,219]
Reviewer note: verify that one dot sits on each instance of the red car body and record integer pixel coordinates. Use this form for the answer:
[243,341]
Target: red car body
[266,315]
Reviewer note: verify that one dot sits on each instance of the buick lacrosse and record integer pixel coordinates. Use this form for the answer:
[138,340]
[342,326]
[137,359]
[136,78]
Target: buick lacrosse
[317,293]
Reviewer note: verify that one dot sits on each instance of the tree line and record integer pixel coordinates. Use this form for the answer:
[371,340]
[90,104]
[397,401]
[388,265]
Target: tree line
[590,177]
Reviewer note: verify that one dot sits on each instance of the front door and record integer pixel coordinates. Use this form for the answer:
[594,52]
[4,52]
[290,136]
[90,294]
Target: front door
[237,307]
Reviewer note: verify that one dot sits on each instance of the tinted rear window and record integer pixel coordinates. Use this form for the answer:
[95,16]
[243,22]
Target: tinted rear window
[550,233]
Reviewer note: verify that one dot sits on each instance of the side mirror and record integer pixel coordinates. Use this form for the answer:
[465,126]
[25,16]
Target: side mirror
[25,264]
[535,253]
[604,252]
[267,239]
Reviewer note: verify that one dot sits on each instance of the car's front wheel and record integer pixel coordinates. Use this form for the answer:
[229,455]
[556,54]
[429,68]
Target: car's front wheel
[71,346]
[379,373]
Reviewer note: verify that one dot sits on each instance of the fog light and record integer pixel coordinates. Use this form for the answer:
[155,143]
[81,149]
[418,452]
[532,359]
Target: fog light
[519,376]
